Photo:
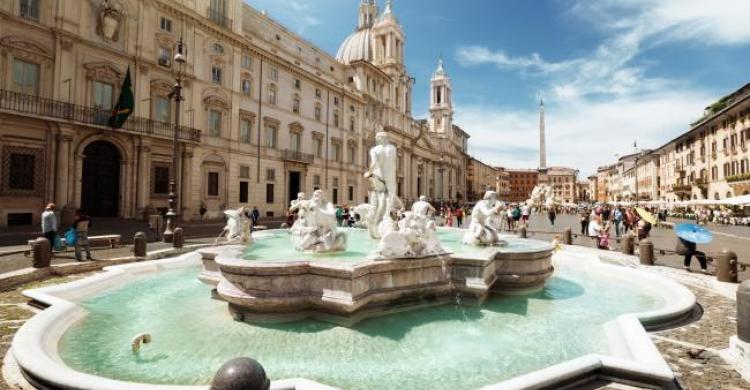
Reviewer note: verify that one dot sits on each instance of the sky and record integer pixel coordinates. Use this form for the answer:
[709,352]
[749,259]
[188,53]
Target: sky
[612,73]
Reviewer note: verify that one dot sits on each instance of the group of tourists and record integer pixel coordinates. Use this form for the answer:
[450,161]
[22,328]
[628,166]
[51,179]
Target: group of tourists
[599,220]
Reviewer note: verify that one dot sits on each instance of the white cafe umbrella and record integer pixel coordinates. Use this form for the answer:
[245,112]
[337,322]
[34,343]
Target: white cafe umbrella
[736,201]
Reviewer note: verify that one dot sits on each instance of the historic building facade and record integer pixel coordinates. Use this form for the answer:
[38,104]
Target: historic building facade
[709,161]
[522,182]
[265,113]
[563,182]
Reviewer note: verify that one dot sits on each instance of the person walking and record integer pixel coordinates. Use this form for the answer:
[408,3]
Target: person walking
[339,216]
[525,210]
[688,250]
[49,225]
[509,217]
[459,217]
[643,229]
[552,215]
[255,216]
[618,216]
[448,217]
[585,218]
[81,225]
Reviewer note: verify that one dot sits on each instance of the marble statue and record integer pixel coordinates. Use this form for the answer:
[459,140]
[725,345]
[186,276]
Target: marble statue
[413,236]
[237,229]
[382,176]
[315,229]
[542,196]
[481,231]
[424,208]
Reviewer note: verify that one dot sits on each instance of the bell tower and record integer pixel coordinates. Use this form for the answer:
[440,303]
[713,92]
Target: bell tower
[368,10]
[441,104]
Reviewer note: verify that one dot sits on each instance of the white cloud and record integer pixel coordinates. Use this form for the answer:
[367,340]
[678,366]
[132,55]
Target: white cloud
[298,13]
[599,103]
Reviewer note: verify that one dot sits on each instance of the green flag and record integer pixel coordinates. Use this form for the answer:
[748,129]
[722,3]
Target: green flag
[125,104]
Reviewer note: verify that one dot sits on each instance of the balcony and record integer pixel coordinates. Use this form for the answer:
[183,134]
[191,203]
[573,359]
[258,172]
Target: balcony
[219,17]
[682,189]
[291,155]
[35,106]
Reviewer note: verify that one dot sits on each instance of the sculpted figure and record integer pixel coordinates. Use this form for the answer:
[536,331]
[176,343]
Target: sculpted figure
[237,229]
[424,208]
[480,230]
[108,22]
[413,236]
[382,176]
[315,228]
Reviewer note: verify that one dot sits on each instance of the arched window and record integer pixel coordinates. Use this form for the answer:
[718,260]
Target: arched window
[318,111]
[729,194]
[716,196]
[714,173]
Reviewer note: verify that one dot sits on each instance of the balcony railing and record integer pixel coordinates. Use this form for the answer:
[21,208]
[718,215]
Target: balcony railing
[55,109]
[219,17]
[291,155]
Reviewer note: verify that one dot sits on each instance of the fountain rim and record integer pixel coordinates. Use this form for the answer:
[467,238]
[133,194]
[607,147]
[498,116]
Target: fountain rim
[34,346]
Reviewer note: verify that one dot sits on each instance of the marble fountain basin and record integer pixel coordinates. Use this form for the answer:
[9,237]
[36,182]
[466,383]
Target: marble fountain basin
[271,282]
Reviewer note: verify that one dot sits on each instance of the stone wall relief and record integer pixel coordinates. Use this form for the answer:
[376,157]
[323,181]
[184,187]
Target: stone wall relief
[109,20]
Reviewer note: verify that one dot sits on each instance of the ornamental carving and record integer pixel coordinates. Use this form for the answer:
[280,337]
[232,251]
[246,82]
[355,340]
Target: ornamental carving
[109,21]
[160,87]
[296,127]
[21,47]
[103,71]
[215,101]
[249,115]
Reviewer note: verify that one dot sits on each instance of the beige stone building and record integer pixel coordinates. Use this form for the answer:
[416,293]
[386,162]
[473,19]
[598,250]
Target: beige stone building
[482,177]
[563,181]
[265,113]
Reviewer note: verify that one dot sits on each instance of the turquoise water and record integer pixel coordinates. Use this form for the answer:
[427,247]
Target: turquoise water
[277,246]
[446,347]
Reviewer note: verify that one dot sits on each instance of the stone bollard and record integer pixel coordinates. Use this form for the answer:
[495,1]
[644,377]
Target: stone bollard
[241,374]
[139,245]
[743,311]
[627,244]
[40,251]
[726,266]
[178,240]
[646,249]
[522,232]
[567,236]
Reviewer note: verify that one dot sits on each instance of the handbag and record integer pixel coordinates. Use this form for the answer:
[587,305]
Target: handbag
[71,236]
[57,243]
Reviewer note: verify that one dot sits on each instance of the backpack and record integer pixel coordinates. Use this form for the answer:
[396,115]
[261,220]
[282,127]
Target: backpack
[516,213]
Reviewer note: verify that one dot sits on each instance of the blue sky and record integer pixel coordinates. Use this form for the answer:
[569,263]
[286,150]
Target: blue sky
[610,72]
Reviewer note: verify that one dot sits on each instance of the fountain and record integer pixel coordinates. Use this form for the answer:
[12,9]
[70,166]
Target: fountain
[400,304]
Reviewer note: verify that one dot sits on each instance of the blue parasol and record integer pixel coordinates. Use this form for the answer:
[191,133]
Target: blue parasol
[693,233]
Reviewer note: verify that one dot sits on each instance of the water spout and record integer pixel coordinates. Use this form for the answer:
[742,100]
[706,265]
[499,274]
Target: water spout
[141,338]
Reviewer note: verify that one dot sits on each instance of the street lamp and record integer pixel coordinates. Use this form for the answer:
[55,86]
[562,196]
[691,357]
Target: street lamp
[179,60]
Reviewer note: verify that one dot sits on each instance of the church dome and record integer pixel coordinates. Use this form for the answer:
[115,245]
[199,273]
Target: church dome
[356,47]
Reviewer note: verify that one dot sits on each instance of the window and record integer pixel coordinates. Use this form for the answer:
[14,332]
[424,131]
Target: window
[336,152]
[270,174]
[335,119]
[245,131]
[30,9]
[297,83]
[269,192]
[271,136]
[21,171]
[243,192]
[213,184]
[25,77]
[161,180]
[247,87]
[352,154]
[247,61]
[103,94]
[273,74]
[318,147]
[335,197]
[216,75]
[272,94]
[335,182]
[318,93]
[162,109]
[316,180]
[165,56]
[295,142]
[351,123]
[165,24]
[335,100]
[318,112]
[244,172]
[214,123]
[351,193]
[295,104]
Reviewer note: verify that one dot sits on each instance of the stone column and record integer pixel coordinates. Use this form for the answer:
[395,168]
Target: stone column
[144,185]
[63,169]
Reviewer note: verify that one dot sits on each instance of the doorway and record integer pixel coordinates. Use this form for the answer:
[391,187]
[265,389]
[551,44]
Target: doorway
[294,185]
[100,185]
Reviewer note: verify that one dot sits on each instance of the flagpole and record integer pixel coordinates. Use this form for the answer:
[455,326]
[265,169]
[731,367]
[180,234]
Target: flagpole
[179,60]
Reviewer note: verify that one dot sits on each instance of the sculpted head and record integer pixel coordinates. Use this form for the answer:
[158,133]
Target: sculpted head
[381,138]
[300,195]
[423,198]
[490,195]
[319,197]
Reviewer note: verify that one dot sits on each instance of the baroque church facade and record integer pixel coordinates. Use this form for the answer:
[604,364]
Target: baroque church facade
[265,114]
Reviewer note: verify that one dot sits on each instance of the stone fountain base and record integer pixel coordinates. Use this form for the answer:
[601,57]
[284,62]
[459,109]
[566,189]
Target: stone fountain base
[347,293]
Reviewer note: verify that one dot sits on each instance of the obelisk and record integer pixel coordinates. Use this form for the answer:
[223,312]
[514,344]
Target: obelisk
[542,143]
